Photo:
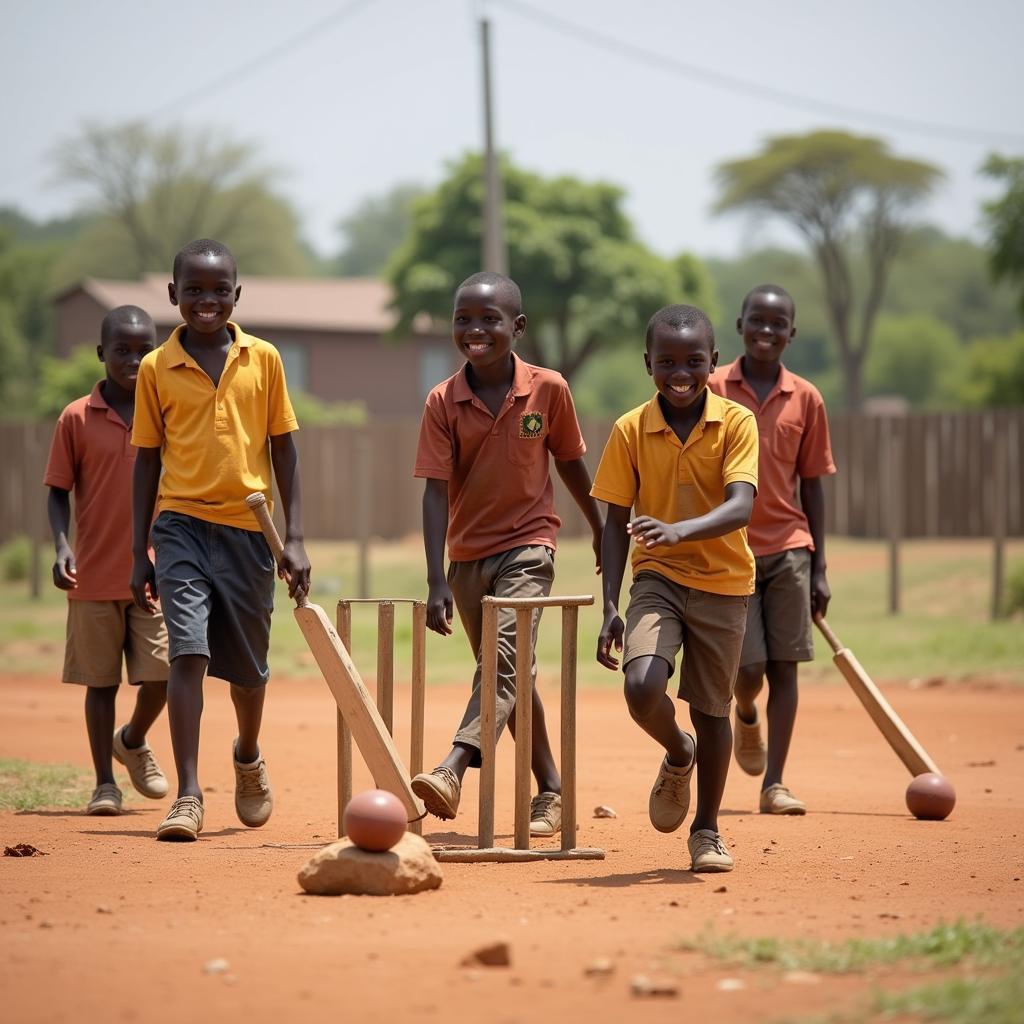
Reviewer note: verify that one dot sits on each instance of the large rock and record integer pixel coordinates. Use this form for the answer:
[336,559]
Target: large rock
[340,868]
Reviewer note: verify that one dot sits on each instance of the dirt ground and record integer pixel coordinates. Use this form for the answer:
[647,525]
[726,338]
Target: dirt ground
[113,925]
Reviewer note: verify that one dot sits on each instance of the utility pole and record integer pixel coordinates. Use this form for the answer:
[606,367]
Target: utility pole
[495,254]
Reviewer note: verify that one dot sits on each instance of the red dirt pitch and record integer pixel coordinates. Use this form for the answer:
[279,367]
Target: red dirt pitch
[112,925]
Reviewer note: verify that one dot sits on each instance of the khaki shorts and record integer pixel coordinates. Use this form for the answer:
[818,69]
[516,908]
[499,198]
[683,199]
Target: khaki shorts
[663,617]
[779,613]
[101,633]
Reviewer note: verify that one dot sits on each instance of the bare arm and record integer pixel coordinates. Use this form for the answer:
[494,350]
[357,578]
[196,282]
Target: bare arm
[576,477]
[145,483]
[58,509]
[440,604]
[812,499]
[732,514]
[294,565]
[614,549]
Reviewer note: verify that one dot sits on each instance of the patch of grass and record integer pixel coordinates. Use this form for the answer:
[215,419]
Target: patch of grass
[26,786]
[985,1000]
[15,557]
[943,946]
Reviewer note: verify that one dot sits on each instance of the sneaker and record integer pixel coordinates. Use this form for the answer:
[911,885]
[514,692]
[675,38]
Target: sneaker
[440,791]
[670,797]
[778,800]
[545,814]
[106,801]
[708,852]
[142,767]
[184,821]
[750,751]
[254,799]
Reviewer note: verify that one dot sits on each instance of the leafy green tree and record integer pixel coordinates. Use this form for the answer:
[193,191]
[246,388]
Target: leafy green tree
[850,199]
[151,191]
[916,356]
[993,376]
[62,380]
[1005,220]
[375,229]
[589,284]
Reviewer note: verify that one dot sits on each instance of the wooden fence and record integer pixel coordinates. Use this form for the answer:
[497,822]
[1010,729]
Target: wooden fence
[924,475]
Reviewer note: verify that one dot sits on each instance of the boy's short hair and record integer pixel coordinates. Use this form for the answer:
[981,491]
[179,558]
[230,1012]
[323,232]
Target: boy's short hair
[202,247]
[123,316]
[767,289]
[505,286]
[680,317]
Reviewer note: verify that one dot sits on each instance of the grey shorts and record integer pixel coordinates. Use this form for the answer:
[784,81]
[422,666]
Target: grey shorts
[216,586]
[779,613]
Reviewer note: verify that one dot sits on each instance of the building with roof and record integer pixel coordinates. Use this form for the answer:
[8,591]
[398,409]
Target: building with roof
[332,333]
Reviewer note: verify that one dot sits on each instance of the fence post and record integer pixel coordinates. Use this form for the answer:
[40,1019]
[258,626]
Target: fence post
[893,469]
[999,490]
[364,510]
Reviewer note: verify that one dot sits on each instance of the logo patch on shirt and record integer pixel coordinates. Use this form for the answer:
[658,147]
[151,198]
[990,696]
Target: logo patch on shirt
[531,425]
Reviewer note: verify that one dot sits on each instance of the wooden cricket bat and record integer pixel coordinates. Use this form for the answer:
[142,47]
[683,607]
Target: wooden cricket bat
[891,726]
[342,676]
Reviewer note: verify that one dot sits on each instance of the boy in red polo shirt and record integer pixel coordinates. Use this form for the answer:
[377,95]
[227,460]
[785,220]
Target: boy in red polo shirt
[483,449]
[787,538]
[92,455]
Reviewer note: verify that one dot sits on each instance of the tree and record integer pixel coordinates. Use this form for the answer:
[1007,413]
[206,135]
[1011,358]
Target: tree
[588,283]
[1005,220]
[916,356]
[375,229]
[994,374]
[849,197]
[152,191]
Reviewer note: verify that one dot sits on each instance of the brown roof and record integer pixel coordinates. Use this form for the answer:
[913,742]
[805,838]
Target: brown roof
[348,304]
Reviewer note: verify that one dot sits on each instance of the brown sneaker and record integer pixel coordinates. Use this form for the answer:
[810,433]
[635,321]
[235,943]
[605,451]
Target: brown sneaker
[545,814]
[748,746]
[106,801]
[254,799]
[778,800]
[142,767]
[440,791]
[708,852]
[184,821]
[670,797]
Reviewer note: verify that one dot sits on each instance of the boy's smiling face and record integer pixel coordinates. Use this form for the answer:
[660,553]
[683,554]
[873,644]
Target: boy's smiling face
[484,326]
[767,326]
[123,352]
[205,292]
[680,359]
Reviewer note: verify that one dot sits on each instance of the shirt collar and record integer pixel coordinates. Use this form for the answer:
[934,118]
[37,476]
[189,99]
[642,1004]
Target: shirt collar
[522,381]
[100,404]
[714,412]
[784,383]
[176,354]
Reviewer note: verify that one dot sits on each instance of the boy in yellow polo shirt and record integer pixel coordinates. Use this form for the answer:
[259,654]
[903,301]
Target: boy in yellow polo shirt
[206,403]
[687,460]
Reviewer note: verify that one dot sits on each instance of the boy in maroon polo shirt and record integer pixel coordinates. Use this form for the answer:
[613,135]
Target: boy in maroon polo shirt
[787,538]
[483,450]
[92,455]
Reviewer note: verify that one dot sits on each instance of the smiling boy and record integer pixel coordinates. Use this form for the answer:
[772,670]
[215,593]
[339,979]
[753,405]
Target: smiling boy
[687,461]
[207,403]
[486,438]
[786,536]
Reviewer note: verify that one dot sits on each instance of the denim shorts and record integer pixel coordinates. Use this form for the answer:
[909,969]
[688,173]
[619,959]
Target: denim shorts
[216,586]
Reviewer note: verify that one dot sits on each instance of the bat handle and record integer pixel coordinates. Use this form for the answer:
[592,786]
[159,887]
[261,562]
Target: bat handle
[258,504]
[826,631]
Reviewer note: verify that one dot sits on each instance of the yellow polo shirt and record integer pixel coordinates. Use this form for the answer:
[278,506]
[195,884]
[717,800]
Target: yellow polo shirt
[645,465]
[214,443]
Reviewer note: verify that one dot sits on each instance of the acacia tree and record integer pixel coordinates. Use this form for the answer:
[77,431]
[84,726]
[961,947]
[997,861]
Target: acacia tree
[1005,220]
[851,199]
[150,192]
[588,283]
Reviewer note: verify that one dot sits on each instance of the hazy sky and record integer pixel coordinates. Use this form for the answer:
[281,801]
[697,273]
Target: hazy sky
[388,91]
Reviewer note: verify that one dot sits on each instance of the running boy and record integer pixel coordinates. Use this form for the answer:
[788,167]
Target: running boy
[788,539]
[687,460]
[483,449]
[207,402]
[91,455]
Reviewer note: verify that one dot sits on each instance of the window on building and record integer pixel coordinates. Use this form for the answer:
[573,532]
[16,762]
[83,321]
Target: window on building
[435,365]
[296,364]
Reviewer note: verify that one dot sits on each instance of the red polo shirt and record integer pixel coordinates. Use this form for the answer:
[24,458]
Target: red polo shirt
[92,456]
[794,444]
[500,494]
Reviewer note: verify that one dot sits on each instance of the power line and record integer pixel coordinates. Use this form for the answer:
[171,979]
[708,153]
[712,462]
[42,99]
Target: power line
[716,79]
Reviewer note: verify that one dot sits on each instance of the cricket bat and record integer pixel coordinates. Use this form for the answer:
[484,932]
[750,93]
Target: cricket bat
[891,726]
[342,677]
